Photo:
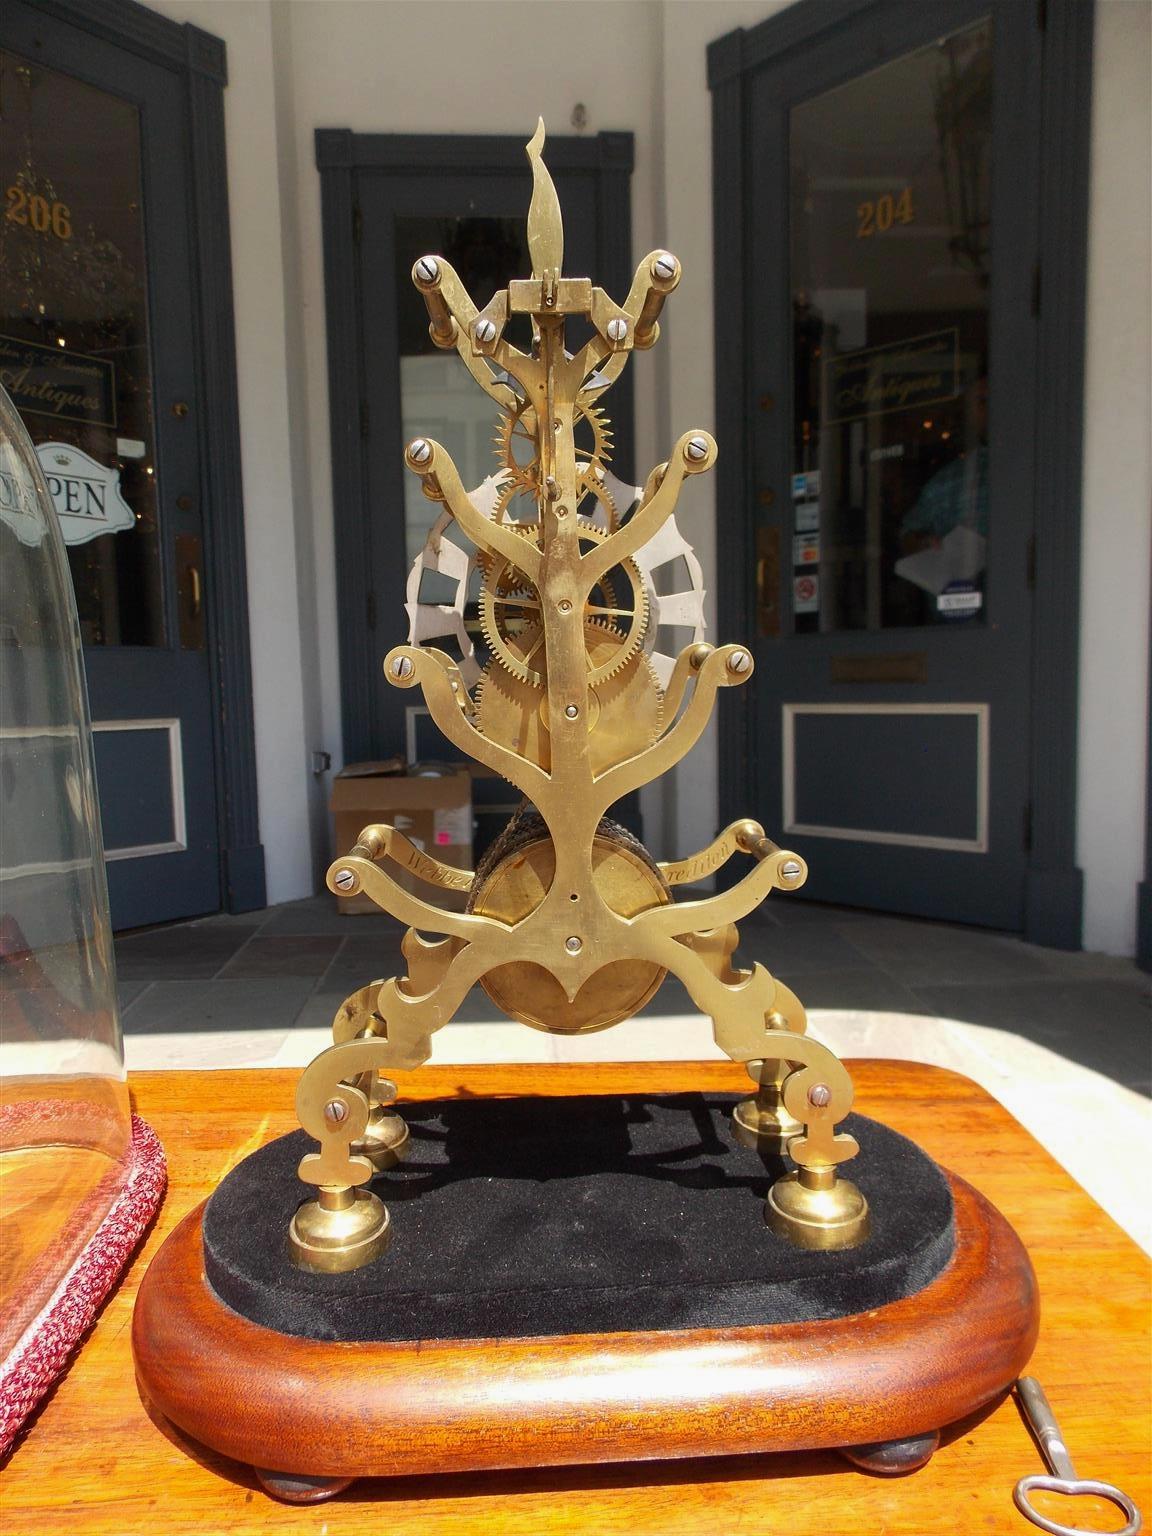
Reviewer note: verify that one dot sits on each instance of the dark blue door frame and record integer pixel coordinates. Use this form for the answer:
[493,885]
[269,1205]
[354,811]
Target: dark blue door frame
[1059,125]
[192,63]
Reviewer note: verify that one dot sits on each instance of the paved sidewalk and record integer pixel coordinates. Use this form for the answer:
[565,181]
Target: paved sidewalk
[289,967]
[1061,1040]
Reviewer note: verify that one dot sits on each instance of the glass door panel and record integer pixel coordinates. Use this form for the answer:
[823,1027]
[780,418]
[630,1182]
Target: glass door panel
[74,342]
[891,251]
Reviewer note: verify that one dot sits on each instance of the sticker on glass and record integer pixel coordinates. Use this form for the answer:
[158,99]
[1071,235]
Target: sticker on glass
[806,594]
[806,549]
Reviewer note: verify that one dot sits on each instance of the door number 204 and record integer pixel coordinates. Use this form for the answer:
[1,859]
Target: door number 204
[877,216]
[32,209]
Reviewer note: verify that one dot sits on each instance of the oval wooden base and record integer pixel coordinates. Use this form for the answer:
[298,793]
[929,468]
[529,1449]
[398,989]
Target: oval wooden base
[315,1410]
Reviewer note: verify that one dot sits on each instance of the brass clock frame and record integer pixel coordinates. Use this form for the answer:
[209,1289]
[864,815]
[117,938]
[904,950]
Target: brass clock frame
[574,932]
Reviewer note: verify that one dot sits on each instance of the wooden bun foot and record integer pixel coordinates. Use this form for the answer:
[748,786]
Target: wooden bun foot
[891,1458]
[298,1488]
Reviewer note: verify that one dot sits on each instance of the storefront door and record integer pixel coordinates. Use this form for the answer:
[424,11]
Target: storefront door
[97,349]
[893,234]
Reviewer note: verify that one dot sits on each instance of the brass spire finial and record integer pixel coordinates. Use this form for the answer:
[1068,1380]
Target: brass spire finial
[545,223]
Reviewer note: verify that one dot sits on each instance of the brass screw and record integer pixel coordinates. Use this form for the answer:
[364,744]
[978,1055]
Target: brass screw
[402,666]
[697,449]
[335,1111]
[819,1095]
[574,945]
[427,269]
[419,450]
[485,331]
[739,662]
[344,879]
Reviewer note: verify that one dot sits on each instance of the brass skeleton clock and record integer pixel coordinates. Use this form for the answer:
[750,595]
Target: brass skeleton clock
[570,924]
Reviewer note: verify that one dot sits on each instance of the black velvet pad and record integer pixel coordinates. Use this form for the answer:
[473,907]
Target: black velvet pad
[515,1218]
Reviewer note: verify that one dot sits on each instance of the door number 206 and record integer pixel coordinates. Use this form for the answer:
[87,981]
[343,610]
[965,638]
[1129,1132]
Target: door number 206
[37,212]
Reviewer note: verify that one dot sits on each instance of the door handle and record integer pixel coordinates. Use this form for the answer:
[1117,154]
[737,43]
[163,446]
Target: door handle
[189,557]
[768,579]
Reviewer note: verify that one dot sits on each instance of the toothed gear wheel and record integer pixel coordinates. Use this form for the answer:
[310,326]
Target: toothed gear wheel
[594,500]
[510,607]
[625,711]
[518,447]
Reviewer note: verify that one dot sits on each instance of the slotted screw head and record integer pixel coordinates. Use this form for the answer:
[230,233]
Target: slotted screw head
[345,879]
[617,329]
[335,1111]
[739,662]
[697,449]
[790,869]
[402,666]
[428,269]
[485,330]
[664,267]
[819,1095]
[574,945]
[419,450]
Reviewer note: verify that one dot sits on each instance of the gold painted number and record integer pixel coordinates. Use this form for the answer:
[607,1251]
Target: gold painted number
[37,213]
[876,217]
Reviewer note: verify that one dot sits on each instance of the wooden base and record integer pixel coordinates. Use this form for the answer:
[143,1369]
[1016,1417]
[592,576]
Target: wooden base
[322,1413]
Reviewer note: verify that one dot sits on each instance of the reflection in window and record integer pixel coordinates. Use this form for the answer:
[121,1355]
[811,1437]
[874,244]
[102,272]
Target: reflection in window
[439,398]
[890,261]
[74,351]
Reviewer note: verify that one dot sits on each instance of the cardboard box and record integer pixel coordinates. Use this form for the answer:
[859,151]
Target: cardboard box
[430,804]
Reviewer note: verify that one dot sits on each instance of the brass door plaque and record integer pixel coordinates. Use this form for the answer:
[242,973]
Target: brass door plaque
[896,667]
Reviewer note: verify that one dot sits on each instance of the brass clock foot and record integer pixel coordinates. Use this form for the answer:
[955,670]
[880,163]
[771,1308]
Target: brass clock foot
[385,1140]
[762,1123]
[813,1208]
[341,1229]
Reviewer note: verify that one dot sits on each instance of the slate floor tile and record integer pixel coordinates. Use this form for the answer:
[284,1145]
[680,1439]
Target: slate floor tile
[1104,1025]
[865,989]
[182,952]
[171,1007]
[799,947]
[924,954]
[318,915]
[284,955]
[127,992]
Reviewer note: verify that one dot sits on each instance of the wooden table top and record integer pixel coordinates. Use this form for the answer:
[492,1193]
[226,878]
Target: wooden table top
[95,1459]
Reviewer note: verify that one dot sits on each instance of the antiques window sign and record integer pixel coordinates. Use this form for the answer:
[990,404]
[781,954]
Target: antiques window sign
[75,351]
[49,381]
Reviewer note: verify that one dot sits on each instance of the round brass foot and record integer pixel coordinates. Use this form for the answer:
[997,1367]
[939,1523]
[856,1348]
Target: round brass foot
[385,1141]
[825,1212]
[762,1126]
[339,1230]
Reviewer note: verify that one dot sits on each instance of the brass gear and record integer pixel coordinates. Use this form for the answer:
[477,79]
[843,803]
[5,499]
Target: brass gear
[516,433]
[510,606]
[625,710]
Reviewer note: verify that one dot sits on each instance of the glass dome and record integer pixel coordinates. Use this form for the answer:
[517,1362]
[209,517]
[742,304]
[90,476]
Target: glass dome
[65,1127]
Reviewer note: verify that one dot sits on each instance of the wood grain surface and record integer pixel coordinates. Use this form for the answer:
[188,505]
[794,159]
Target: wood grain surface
[307,1406]
[95,1457]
